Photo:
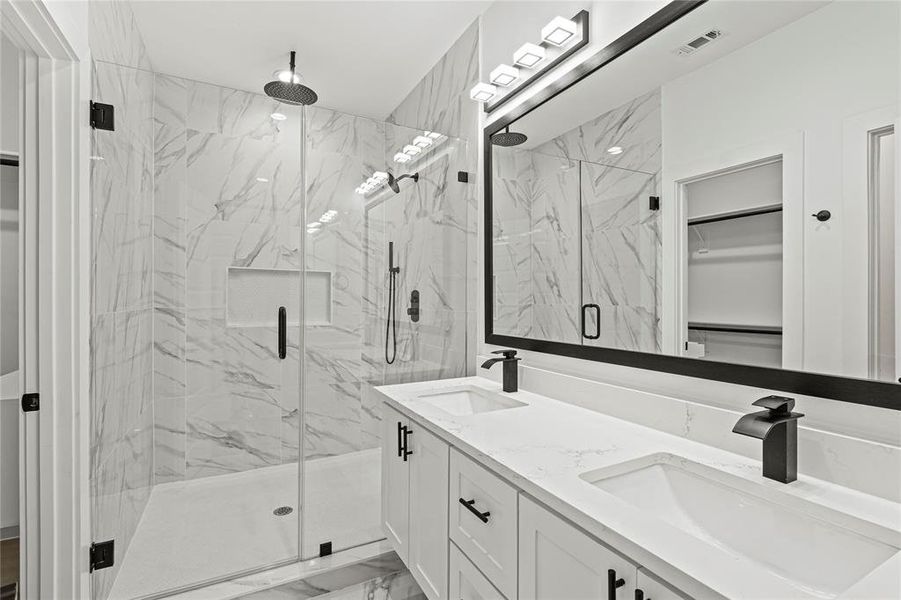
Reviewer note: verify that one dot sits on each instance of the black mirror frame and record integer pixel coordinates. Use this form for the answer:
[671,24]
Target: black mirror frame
[845,389]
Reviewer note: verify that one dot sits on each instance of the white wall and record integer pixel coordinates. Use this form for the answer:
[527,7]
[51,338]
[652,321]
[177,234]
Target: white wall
[9,100]
[809,76]
[875,424]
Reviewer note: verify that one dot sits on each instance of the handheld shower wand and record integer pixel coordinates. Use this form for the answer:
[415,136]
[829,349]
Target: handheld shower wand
[391,317]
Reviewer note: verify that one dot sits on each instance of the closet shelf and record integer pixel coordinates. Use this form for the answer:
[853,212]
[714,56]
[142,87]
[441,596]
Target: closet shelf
[737,214]
[736,328]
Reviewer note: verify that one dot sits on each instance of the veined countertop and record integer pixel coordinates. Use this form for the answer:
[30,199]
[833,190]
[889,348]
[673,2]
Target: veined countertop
[543,447]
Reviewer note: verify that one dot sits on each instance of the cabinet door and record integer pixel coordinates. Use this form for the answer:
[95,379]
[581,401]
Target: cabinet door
[428,511]
[466,581]
[651,588]
[395,483]
[556,560]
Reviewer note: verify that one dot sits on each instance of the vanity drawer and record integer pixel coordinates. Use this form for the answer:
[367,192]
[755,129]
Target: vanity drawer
[483,521]
[466,582]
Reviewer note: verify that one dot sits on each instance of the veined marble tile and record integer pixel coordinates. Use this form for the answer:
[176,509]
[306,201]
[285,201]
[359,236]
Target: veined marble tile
[236,113]
[332,132]
[114,35]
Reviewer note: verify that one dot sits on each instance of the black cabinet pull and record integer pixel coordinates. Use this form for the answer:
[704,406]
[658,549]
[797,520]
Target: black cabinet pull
[400,439]
[597,321]
[639,594]
[481,516]
[613,583]
[282,332]
[407,434]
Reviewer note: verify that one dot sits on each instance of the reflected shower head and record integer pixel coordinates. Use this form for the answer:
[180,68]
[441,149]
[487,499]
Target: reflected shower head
[289,91]
[508,138]
[392,181]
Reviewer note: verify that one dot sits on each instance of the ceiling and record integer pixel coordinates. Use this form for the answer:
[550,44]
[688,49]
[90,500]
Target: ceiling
[361,57]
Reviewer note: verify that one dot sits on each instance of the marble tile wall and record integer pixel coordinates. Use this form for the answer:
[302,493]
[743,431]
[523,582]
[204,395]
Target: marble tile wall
[121,447]
[113,34]
[572,226]
[227,194]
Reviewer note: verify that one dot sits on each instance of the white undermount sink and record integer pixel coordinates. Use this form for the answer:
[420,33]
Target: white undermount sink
[818,551]
[467,400]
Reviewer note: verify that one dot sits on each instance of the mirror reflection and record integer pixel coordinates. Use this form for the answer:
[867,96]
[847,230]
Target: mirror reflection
[724,191]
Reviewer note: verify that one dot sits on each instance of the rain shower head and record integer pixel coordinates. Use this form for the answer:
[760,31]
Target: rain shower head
[392,181]
[291,92]
[508,138]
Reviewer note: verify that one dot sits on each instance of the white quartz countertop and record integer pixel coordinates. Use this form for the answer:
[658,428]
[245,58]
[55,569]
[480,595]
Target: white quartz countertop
[543,447]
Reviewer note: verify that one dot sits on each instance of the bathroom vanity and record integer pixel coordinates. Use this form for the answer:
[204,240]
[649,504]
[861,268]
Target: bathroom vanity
[487,494]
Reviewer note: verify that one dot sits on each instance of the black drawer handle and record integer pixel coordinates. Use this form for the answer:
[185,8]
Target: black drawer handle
[407,434]
[597,321]
[613,583]
[482,516]
[282,332]
[400,439]
[639,594]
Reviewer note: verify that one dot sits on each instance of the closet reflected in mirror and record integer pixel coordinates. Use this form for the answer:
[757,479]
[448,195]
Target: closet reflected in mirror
[723,191]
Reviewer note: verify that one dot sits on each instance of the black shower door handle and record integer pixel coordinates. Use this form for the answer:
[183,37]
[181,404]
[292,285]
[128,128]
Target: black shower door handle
[597,321]
[282,332]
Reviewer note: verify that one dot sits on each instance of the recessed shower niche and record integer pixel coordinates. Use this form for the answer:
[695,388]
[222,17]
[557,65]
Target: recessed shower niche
[255,295]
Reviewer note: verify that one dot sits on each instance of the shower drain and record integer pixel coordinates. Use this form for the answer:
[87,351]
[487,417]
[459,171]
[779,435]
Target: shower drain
[281,511]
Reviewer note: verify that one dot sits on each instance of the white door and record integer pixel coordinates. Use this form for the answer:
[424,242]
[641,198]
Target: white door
[556,560]
[649,587]
[428,511]
[395,482]
[466,581]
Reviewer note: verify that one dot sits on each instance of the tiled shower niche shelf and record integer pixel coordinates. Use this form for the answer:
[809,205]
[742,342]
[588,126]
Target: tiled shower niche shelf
[248,287]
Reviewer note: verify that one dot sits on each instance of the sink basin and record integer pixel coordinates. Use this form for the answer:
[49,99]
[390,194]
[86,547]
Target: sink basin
[819,551]
[467,400]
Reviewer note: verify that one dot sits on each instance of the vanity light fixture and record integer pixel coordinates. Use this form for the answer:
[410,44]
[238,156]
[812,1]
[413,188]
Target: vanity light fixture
[412,150]
[277,116]
[314,225]
[400,157]
[422,141]
[432,134]
[559,31]
[483,92]
[615,150]
[380,176]
[504,75]
[529,55]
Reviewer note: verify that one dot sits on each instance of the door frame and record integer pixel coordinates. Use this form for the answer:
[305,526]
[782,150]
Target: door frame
[54,297]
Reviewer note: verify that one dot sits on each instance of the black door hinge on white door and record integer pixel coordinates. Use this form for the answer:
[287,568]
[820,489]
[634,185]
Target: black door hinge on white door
[103,116]
[31,402]
[654,202]
[103,554]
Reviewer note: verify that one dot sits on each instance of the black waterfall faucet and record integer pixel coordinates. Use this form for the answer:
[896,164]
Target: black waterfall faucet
[777,426]
[510,371]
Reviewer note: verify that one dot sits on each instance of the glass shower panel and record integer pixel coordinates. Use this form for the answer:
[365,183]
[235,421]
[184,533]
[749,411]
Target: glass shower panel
[346,299]
[620,259]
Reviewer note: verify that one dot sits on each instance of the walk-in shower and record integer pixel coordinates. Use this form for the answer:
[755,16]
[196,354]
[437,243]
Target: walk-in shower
[239,292]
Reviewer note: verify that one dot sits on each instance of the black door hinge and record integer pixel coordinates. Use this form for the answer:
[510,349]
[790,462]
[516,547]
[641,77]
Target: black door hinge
[654,202]
[325,548]
[103,554]
[103,116]
[31,402]
[462,176]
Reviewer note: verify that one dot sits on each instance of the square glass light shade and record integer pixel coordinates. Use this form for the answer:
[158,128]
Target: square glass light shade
[412,150]
[432,134]
[483,92]
[380,176]
[504,75]
[559,31]
[529,55]
[400,157]
[422,141]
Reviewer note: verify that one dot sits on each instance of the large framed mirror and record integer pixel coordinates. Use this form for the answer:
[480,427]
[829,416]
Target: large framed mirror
[712,195]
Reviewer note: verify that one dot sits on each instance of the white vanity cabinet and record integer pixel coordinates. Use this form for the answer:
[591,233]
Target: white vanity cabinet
[651,588]
[466,581]
[556,560]
[414,500]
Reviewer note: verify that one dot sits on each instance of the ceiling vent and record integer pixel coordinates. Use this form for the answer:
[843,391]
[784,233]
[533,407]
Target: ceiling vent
[699,42]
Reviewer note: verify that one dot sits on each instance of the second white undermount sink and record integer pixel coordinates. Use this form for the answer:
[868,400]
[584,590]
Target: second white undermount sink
[816,550]
[467,400]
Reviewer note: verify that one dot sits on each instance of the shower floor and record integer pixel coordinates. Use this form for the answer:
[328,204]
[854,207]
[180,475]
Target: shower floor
[201,530]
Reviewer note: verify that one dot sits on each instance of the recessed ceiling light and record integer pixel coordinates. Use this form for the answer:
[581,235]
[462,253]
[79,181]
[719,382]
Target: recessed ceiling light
[504,75]
[400,157]
[559,31]
[277,116]
[615,150]
[483,92]
[412,150]
[529,55]
[422,141]
[284,75]
[262,180]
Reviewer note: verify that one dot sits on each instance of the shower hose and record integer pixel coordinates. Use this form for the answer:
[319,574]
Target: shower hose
[391,317]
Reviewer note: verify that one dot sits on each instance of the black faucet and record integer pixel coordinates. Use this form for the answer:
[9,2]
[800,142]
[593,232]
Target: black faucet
[777,426]
[509,361]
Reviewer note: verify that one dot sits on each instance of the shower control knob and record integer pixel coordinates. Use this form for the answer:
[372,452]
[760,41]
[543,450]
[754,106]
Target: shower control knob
[823,215]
